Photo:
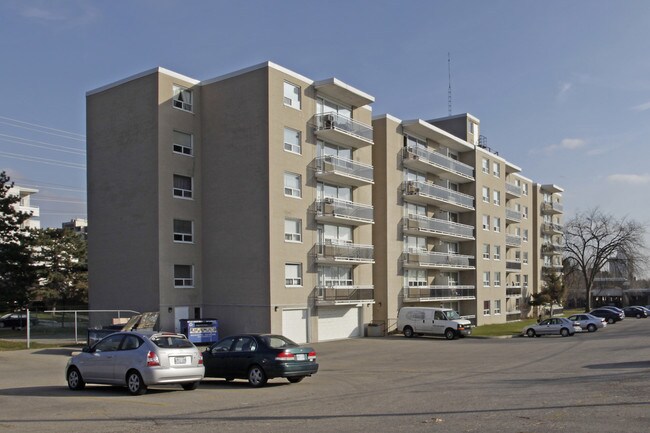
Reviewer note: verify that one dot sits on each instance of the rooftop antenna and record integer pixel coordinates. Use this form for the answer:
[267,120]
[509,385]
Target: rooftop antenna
[449,90]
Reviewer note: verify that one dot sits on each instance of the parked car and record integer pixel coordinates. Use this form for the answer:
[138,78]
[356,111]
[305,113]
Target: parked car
[610,315]
[553,326]
[16,320]
[638,312]
[588,322]
[137,360]
[259,357]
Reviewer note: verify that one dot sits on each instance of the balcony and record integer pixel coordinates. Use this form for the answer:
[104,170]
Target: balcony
[513,265]
[513,291]
[513,216]
[552,228]
[512,190]
[436,260]
[433,162]
[513,315]
[444,198]
[552,265]
[441,229]
[338,211]
[339,129]
[334,251]
[552,208]
[439,293]
[552,249]
[513,240]
[343,295]
[334,169]
[35,211]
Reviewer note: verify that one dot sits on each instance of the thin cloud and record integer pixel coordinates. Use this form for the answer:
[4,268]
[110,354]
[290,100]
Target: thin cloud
[642,107]
[81,13]
[566,144]
[563,91]
[42,14]
[632,179]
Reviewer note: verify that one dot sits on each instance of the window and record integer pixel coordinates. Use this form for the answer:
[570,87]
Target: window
[497,279]
[485,165]
[293,274]
[183,231]
[486,308]
[517,256]
[525,259]
[326,106]
[182,143]
[525,281]
[291,95]
[292,185]
[497,306]
[415,244]
[335,276]
[524,211]
[416,277]
[486,279]
[486,251]
[496,169]
[525,237]
[486,194]
[182,98]
[497,224]
[486,222]
[292,141]
[496,196]
[182,186]
[292,230]
[497,252]
[183,276]
[524,188]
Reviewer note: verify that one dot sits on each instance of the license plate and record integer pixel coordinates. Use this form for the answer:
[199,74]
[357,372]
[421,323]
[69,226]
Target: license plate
[301,357]
[180,360]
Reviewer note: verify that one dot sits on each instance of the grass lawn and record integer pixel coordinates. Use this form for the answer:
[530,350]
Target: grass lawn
[512,328]
[22,345]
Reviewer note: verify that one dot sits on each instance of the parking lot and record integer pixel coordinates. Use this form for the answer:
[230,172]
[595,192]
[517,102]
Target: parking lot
[596,382]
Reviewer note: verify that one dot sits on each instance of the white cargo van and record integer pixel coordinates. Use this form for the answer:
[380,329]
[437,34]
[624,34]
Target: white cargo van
[433,321]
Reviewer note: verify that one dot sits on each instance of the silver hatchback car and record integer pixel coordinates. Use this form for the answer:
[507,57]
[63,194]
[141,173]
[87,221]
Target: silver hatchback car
[552,326]
[137,360]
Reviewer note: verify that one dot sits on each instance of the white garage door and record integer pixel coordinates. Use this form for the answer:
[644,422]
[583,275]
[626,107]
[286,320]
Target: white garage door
[335,323]
[294,325]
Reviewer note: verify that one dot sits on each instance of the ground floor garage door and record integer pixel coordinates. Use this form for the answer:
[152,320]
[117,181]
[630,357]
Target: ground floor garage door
[294,325]
[335,323]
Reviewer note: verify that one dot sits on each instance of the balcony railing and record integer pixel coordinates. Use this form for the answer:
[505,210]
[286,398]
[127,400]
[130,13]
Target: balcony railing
[552,265]
[439,292]
[513,240]
[336,210]
[552,207]
[513,291]
[441,196]
[342,129]
[432,259]
[513,190]
[335,251]
[549,248]
[513,315]
[334,295]
[438,162]
[513,215]
[437,226]
[513,265]
[344,170]
[552,228]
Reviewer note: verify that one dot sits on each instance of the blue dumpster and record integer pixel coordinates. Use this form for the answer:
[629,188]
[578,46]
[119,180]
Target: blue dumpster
[201,331]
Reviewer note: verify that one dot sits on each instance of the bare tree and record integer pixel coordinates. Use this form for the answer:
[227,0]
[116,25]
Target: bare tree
[592,237]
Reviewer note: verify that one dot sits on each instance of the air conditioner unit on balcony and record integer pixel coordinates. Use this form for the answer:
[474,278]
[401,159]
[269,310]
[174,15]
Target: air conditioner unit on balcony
[329,200]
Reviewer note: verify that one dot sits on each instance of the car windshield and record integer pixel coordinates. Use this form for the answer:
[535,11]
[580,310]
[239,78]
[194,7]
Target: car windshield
[277,341]
[452,315]
[171,341]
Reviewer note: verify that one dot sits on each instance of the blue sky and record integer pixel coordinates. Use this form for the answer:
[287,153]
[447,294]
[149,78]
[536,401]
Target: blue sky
[562,88]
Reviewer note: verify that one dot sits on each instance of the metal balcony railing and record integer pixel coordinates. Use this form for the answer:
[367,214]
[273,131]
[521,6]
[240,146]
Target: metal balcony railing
[513,215]
[342,251]
[437,192]
[513,240]
[435,225]
[335,121]
[442,260]
[513,265]
[343,294]
[552,207]
[439,292]
[513,189]
[337,164]
[439,160]
[344,209]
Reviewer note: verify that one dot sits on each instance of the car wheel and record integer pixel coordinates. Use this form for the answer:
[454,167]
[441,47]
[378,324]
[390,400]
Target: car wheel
[591,327]
[75,381]
[564,332]
[638,316]
[530,333]
[135,383]
[2,324]
[190,386]
[295,379]
[611,320]
[408,332]
[256,376]
[450,334]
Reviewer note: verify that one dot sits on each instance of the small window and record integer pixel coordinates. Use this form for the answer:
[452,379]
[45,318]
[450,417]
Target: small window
[496,195]
[524,211]
[292,185]
[292,230]
[183,276]
[486,251]
[497,224]
[486,222]
[497,279]
[182,186]
[486,308]
[293,274]
[486,279]
[183,231]
[291,95]
[182,98]
[486,194]
[524,189]
[182,143]
[496,169]
[525,258]
[292,141]
[485,165]
[497,306]
[525,237]
[497,252]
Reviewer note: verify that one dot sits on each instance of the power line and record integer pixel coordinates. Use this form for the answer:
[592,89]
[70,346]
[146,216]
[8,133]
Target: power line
[42,127]
[44,160]
[41,144]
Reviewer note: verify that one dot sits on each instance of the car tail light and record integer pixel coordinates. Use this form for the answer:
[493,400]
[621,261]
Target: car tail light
[200,358]
[285,356]
[312,356]
[152,359]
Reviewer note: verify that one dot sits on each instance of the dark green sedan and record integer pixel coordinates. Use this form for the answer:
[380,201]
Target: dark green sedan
[259,357]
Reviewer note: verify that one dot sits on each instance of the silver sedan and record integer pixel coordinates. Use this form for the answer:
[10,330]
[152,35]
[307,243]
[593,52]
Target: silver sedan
[552,326]
[137,360]
[588,322]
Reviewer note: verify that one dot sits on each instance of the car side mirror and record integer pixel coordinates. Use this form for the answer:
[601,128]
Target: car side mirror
[86,349]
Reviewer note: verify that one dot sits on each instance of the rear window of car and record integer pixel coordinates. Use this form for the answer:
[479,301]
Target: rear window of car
[171,342]
[277,341]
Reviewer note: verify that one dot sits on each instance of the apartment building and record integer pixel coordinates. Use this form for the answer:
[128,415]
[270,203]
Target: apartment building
[277,203]
[25,205]
[246,198]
